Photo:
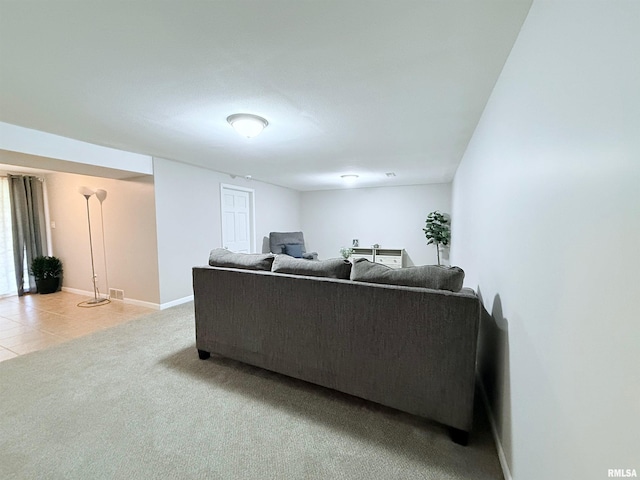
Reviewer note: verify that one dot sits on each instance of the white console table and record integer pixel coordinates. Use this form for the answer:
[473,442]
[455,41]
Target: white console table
[391,257]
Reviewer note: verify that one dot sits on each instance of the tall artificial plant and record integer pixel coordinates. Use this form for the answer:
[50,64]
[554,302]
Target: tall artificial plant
[437,231]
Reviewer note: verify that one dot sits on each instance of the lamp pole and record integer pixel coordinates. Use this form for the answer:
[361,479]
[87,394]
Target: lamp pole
[87,193]
[101,195]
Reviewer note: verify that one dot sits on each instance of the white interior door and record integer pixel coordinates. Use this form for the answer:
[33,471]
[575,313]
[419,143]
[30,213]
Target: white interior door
[237,218]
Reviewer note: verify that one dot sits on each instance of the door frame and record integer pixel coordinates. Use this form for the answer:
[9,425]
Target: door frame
[252,213]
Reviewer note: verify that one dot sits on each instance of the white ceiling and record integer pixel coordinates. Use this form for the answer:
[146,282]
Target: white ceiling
[351,86]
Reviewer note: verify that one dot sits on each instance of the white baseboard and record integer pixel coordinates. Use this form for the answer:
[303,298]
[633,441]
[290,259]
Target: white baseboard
[129,301]
[173,303]
[494,430]
[140,303]
[133,301]
[86,293]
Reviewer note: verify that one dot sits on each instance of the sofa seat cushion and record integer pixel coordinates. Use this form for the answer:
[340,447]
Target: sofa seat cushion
[221,257]
[332,267]
[427,276]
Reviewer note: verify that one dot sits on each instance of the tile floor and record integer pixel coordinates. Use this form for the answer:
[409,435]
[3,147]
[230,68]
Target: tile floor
[35,322]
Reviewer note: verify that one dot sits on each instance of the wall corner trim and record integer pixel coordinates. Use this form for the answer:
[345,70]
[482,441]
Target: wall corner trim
[494,430]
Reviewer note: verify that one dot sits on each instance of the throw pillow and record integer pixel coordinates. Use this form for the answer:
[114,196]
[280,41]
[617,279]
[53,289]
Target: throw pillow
[293,250]
[221,257]
[332,268]
[427,276]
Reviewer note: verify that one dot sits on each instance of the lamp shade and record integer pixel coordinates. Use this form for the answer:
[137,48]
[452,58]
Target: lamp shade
[86,191]
[247,124]
[101,194]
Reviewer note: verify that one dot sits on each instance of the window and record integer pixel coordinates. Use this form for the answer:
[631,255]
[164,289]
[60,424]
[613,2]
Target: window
[7,268]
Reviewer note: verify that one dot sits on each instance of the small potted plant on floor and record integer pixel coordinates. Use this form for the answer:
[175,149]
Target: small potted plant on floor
[47,272]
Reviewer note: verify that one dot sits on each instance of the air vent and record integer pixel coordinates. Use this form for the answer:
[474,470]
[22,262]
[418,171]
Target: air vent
[116,294]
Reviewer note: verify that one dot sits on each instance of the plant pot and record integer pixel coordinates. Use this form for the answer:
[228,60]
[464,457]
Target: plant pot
[48,285]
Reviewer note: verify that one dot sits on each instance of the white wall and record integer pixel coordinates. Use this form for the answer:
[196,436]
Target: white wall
[130,234]
[392,217]
[189,219]
[546,217]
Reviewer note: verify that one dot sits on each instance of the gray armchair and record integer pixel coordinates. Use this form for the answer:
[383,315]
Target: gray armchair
[290,243]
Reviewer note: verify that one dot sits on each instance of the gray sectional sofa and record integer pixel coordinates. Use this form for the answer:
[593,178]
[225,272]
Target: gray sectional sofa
[407,347]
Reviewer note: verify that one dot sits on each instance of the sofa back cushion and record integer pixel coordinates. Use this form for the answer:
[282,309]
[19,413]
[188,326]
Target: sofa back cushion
[221,257]
[427,276]
[332,267]
[294,250]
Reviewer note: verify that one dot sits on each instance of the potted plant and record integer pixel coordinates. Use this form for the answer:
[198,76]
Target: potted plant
[47,272]
[437,231]
[346,252]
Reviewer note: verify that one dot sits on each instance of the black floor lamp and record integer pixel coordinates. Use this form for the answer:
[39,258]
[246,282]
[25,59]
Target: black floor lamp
[86,192]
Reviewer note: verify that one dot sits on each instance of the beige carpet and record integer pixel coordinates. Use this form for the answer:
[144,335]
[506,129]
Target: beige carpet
[135,402]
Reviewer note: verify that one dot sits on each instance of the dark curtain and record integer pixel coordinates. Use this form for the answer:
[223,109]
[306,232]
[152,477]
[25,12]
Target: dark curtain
[28,223]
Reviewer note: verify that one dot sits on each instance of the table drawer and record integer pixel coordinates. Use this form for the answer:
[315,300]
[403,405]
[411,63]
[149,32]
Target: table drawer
[390,260]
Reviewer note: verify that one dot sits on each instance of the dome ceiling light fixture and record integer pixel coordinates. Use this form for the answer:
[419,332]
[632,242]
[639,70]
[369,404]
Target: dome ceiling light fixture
[247,124]
[350,177]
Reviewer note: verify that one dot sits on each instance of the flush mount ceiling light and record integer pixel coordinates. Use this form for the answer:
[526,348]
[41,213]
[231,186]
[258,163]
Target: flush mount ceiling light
[247,124]
[349,177]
